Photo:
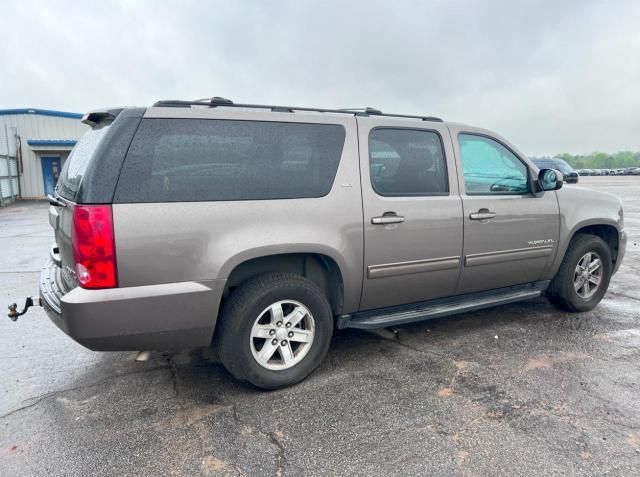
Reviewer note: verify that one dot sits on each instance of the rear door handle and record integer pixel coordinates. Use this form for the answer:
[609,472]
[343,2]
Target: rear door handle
[387,218]
[482,214]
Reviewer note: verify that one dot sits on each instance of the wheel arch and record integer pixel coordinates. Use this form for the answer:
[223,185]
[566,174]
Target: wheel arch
[608,233]
[321,268]
[606,230]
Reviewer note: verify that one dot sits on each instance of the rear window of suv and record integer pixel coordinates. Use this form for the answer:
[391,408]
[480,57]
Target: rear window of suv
[78,161]
[186,160]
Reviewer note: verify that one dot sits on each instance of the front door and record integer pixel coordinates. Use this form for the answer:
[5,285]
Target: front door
[50,172]
[412,212]
[510,234]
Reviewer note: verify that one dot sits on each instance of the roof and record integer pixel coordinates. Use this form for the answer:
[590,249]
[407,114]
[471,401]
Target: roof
[52,142]
[42,112]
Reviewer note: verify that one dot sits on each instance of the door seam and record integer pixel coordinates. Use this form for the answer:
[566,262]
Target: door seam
[457,175]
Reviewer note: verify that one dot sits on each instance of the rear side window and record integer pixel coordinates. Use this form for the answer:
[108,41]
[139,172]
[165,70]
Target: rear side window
[78,161]
[184,160]
[407,162]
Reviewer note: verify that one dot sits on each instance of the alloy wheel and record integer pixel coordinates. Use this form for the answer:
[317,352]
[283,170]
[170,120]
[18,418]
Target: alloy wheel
[587,275]
[282,335]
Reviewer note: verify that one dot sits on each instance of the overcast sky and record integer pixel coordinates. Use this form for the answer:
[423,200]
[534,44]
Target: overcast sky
[550,76]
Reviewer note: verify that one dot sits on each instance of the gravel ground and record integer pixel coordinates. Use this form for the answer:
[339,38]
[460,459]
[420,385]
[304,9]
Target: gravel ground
[522,389]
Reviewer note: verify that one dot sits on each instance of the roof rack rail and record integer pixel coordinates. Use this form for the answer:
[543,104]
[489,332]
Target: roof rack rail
[218,101]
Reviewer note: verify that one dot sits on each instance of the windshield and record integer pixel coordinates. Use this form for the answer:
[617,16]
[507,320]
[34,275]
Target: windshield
[78,161]
[562,166]
[558,164]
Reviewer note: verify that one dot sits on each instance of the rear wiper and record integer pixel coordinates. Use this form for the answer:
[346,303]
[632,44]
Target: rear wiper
[55,202]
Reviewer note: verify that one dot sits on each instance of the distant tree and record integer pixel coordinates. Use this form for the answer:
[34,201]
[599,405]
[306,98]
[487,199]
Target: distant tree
[625,159]
[602,160]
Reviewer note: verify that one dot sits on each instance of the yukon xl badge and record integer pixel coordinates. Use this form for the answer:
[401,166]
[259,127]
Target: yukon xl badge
[540,242]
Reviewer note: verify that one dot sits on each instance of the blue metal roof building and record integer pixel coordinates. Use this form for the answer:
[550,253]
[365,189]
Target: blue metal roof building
[34,144]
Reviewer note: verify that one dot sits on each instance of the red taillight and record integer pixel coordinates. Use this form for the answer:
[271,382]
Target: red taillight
[94,247]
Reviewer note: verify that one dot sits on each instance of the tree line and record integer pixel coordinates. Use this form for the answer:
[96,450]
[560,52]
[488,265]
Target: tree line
[602,160]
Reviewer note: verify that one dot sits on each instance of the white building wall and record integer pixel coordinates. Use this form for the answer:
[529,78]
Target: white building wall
[37,126]
[8,168]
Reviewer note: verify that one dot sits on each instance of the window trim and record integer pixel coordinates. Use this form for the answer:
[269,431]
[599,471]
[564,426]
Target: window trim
[411,194]
[517,156]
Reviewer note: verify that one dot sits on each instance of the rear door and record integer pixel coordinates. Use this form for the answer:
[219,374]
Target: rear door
[412,211]
[510,234]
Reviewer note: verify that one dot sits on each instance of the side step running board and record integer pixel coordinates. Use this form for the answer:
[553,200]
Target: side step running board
[384,317]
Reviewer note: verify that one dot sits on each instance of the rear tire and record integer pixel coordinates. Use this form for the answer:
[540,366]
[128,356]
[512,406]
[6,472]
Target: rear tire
[274,330]
[584,275]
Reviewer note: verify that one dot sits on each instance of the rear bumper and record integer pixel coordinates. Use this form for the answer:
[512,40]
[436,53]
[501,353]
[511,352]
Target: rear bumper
[168,316]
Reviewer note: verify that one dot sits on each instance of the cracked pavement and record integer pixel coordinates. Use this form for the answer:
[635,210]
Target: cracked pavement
[522,389]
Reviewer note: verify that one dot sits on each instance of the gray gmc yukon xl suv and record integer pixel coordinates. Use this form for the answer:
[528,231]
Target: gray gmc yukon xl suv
[259,229]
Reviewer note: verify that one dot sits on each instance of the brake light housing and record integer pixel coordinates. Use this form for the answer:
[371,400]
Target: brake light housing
[94,247]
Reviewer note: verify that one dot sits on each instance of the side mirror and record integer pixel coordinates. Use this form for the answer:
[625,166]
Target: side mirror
[550,179]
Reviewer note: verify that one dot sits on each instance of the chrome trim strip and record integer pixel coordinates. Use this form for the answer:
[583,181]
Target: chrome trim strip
[501,256]
[413,266]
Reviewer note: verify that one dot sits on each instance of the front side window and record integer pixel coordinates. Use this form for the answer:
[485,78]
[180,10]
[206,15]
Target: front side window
[406,162]
[490,168]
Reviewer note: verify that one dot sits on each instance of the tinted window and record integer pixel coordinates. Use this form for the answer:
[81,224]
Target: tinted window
[76,164]
[407,162]
[561,165]
[557,164]
[177,160]
[491,168]
[543,163]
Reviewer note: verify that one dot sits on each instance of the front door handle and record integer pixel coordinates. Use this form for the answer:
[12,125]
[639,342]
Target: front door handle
[482,214]
[387,218]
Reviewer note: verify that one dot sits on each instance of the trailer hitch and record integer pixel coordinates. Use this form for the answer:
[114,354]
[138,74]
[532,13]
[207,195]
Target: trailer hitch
[13,308]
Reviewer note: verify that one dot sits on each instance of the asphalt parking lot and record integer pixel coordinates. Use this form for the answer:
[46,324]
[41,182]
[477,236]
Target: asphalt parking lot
[522,389]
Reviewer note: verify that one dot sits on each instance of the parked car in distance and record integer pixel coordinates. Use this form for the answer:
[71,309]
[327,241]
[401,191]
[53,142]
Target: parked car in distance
[569,174]
[260,229]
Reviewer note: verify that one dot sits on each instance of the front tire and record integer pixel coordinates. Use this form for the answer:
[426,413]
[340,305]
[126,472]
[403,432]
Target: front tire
[274,330]
[584,275]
